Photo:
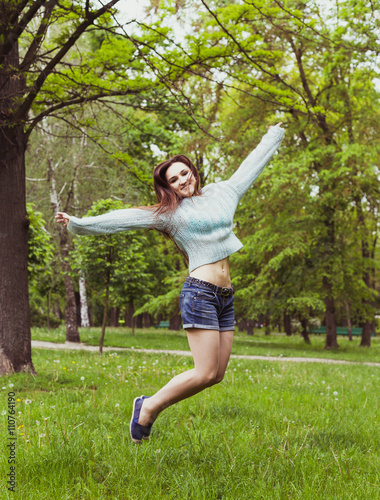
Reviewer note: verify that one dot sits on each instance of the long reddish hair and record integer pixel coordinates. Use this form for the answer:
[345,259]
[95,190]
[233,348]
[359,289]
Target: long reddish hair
[168,199]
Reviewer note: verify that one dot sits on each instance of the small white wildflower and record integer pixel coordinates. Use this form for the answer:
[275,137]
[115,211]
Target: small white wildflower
[37,422]
[323,382]
[116,405]
[10,385]
[265,387]
[82,378]
[3,387]
[335,393]
[3,412]
[52,406]
[321,393]
[376,14]
[56,360]
[119,366]
[42,435]
[28,401]
[328,387]
[41,403]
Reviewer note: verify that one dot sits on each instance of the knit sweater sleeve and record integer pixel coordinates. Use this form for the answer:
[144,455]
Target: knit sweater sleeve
[256,161]
[127,219]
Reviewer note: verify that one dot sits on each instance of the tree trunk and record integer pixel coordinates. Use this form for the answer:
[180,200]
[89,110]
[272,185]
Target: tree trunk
[146,320]
[114,316]
[139,321]
[250,325]
[366,330]
[287,324]
[133,321]
[267,324]
[84,319]
[15,335]
[175,322]
[48,311]
[72,333]
[130,321]
[105,314]
[304,332]
[331,338]
[366,334]
[349,324]
[367,303]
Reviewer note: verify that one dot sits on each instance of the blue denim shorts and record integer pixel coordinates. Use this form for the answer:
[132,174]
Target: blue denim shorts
[206,307]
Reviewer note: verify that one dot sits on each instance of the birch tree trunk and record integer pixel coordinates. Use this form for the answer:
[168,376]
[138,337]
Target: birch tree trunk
[84,318]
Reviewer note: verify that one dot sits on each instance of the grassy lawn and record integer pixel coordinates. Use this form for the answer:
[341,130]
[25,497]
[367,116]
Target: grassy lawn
[258,344]
[268,431]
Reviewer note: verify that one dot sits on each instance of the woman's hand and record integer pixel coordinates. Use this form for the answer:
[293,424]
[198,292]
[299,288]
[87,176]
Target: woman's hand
[277,125]
[62,218]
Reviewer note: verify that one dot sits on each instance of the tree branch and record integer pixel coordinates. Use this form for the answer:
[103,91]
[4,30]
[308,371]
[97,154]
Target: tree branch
[12,36]
[22,111]
[37,40]
[243,51]
[72,102]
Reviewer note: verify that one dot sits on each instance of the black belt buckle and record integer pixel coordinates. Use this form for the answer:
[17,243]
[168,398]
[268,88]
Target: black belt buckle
[225,292]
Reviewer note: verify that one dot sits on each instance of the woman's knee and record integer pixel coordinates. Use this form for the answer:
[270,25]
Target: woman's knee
[208,378]
[219,377]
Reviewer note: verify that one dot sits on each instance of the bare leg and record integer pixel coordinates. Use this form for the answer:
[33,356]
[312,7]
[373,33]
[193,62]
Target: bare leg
[211,351]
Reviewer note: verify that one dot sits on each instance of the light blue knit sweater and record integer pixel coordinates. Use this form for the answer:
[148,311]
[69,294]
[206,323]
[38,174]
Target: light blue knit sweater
[201,225]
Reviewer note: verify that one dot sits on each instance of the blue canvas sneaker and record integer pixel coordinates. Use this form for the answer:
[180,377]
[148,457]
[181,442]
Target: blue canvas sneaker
[136,430]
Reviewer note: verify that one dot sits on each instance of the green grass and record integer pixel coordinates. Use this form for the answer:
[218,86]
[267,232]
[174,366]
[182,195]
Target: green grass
[268,431]
[258,344]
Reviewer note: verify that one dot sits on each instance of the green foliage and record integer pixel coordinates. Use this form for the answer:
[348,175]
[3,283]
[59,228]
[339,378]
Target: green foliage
[41,250]
[114,261]
[309,225]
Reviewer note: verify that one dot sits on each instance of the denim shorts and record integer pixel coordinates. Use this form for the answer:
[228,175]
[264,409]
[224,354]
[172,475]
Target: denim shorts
[205,306]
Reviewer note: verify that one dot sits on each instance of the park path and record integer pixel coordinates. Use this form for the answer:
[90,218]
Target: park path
[39,344]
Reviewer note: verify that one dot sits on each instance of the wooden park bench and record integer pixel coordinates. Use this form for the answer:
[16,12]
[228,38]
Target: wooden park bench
[340,330]
[162,324]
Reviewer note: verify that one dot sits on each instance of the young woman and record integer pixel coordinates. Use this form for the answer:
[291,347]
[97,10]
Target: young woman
[200,223]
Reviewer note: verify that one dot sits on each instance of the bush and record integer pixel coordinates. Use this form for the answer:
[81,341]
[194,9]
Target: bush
[38,318]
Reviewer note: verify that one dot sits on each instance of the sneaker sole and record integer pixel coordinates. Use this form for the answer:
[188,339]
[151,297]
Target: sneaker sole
[136,441]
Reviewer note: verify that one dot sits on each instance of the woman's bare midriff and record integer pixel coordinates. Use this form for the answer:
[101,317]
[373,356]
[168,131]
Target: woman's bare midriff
[217,273]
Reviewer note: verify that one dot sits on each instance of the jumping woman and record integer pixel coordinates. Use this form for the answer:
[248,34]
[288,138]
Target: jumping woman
[200,223]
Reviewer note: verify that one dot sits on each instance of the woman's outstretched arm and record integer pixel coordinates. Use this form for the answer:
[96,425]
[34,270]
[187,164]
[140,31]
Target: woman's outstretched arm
[256,161]
[126,219]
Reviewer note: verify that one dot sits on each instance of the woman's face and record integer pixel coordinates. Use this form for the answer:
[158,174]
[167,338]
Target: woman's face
[181,179]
